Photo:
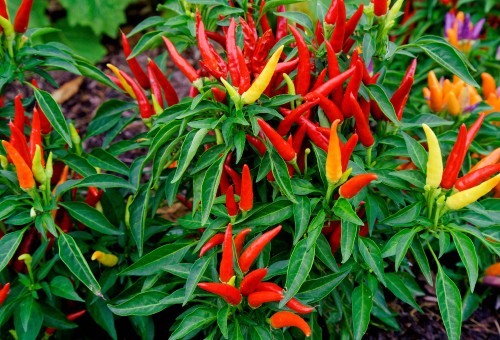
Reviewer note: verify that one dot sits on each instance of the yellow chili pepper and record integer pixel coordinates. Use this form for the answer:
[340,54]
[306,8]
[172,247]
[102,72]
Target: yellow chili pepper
[262,81]
[453,104]
[37,167]
[434,162]
[122,80]
[466,197]
[333,158]
[108,260]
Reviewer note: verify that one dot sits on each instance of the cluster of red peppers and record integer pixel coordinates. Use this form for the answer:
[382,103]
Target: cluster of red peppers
[20,25]
[251,285]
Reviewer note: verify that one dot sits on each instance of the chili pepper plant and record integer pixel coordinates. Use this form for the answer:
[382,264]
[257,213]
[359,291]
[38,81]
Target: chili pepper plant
[325,170]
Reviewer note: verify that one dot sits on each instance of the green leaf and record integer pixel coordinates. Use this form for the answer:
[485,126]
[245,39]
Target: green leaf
[347,239]
[450,304]
[399,289]
[90,217]
[268,214]
[298,17]
[107,116]
[423,263]
[300,265]
[54,114]
[222,317]
[446,56]
[317,289]
[102,181]
[195,275]
[188,150]
[102,315]
[79,164]
[377,93]
[102,159]
[195,321]
[154,261]
[467,253]
[372,256]
[301,215]
[28,319]
[362,303]
[416,152]
[73,258]
[144,303]
[61,286]
[147,23]
[324,253]
[402,247]
[280,172]
[8,246]
[344,210]
[404,217]
[209,187]
[147,42]
[138,210]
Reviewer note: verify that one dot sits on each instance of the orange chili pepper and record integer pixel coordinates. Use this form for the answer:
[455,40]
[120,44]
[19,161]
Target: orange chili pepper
[24,173]
[333,158]
[489,85]
[492,158]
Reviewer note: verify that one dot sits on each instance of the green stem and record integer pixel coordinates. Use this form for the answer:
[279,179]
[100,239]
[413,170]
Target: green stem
[329,193]
[369,156]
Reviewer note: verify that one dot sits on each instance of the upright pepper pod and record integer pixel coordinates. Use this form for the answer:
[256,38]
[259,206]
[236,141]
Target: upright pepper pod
[168,90]
[239,240]
[4,292]
[24,173]
[144,106]
[36,136]
[331,14]
[263,80]
[232,208]
[333,157]
[351,24]
[464,198]
[226,271]
[136,69]
[303,78]
[347,149]
[18,112]
[23,16]
[434,161]
[337,38]
[246,198]
[232,53]
[474,129]
[380,7]
[18,141]
[362,126]
[455,159]
[180,62]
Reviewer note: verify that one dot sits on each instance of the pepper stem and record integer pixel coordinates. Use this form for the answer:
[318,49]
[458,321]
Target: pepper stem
[369,156]
[329,192]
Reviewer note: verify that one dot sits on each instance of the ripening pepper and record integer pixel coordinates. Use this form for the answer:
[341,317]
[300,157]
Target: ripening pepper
[108,260]
[434,161]
[463,198]
[333,158]
[493,270]
[24,173]
[23,16]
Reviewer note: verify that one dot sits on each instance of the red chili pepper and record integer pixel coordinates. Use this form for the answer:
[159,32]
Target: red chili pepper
[249,40]
[286,66]
[334,240]
[230,294]
[476,177]
[288,319]
[232,53]
[232,208]
[474,129]
[214,241]
[44,122]
[333,63]
[244,72]
[256,299]
[246,198]
[219,38]
[205,51]
[36,136]
[353,186]
[348,45]
[347,149]
[333,83]
[23,16]
[249,283]
[155,87]
[5,291]
[69,317]
[455,159]
[219,94]
[180,62]
[318,33]
[303,78]
[93,196]
[337,37]
[3,10]
[351,24]
[400,97]
[255,248]
[320,80]
[352,88]
[136,69]
[286,124]
[226,271]
[18,112]
[284,149]
[65,223]
[235,177]
[18,141]
[257,144]
[24,248]
[239,240]
[281,23]
[380,7]
[330,109]
[168,89]
[264,45]
[331,15]
[264,22]
[224,182]
[298,138]
[142,100]
[362,126]
[293,303]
